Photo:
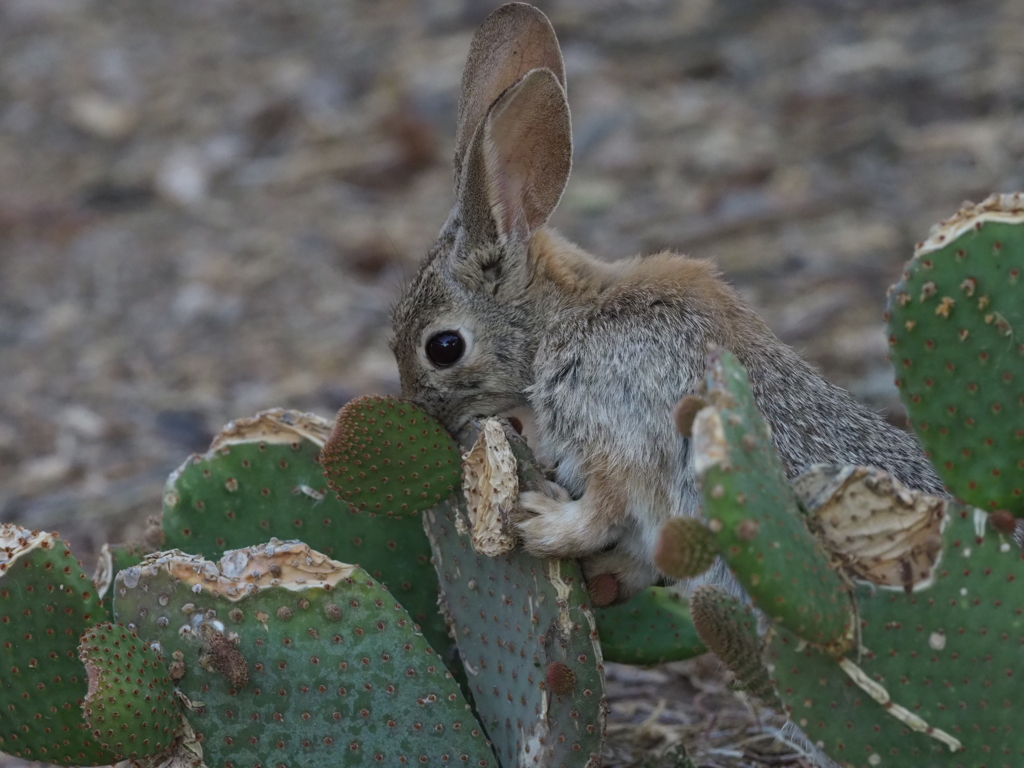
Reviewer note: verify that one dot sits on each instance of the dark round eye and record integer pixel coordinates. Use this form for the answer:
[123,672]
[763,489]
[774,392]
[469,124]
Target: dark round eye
[445,348]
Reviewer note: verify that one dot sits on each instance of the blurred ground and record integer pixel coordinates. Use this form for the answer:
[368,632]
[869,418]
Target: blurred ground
[206,208]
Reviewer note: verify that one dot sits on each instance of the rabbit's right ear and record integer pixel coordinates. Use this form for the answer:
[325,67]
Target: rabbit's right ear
[517,166]
[513,40]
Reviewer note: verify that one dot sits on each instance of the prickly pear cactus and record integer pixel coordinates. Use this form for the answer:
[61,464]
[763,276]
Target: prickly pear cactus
[390,456]
[527,638]
[46,603]
[652,627]
[130,706]
[935,681]
[289,657]
[262,478]
[956,332]
[755,516]
[729,629]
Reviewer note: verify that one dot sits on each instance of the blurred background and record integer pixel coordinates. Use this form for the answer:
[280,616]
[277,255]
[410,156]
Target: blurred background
[207,206]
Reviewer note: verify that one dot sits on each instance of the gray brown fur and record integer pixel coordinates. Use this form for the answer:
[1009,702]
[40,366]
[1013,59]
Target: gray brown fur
[600,351]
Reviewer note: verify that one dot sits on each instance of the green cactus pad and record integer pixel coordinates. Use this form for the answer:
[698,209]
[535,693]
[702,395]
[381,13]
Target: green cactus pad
[130,706]
[388,455]
[755,516]
[262,478]
[956,331]
[46,603]
[513,616]
[949,653]
[729,629]
[652,627]
[290,658]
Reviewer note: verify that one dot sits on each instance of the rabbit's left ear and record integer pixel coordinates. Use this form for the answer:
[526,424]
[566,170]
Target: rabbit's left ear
[518,163]
[514,39]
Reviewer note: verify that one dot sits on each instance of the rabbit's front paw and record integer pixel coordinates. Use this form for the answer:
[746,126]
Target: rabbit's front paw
[554,525]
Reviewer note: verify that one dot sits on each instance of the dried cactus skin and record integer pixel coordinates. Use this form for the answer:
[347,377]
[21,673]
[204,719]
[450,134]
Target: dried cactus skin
[46,603]
[287,655]
[878,530]
[388,455]
[512,616]
[114,558]
[755,515]
[652,627]
[956,335]
[262,478]
[950,653]
[729,629]
[131,706]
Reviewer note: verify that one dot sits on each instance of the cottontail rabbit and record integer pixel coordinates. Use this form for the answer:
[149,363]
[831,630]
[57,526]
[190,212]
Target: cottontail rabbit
[504,313]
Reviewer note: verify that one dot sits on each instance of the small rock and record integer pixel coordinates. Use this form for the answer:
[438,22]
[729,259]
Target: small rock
[39,473]
[184,177]
[85,422]
[102,117]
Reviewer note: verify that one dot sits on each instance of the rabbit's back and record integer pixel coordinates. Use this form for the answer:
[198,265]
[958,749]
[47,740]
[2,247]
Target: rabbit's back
[611,366]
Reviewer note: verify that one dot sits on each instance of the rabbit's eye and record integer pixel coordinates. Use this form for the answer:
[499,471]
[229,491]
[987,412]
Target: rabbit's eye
[445,348]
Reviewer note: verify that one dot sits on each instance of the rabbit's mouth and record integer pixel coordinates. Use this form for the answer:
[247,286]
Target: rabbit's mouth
[491,405]
[457,413]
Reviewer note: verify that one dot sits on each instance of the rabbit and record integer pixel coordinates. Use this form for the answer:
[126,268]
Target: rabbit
[504,312]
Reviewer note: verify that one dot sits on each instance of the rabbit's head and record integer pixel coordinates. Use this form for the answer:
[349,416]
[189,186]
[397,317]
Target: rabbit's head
[467,327]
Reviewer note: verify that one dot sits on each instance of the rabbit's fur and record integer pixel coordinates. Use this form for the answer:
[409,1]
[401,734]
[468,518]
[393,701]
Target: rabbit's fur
[600,351]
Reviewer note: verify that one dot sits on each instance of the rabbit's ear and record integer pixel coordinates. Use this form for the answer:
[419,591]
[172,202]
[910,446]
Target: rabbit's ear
[518,163]
[513,40]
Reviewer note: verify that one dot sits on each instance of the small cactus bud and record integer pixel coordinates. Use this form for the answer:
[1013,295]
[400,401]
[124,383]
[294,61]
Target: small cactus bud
[1003,521]
[685,548]
[561,680]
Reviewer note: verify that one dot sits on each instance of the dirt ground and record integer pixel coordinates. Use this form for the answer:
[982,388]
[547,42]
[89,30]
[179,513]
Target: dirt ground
[207,206]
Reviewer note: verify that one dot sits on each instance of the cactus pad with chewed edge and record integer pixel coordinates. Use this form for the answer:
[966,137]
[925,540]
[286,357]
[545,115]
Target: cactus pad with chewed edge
[936,680]
[288,656]
[46,603]
[516,618]
[131,706]
[956,335]
[262,478]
